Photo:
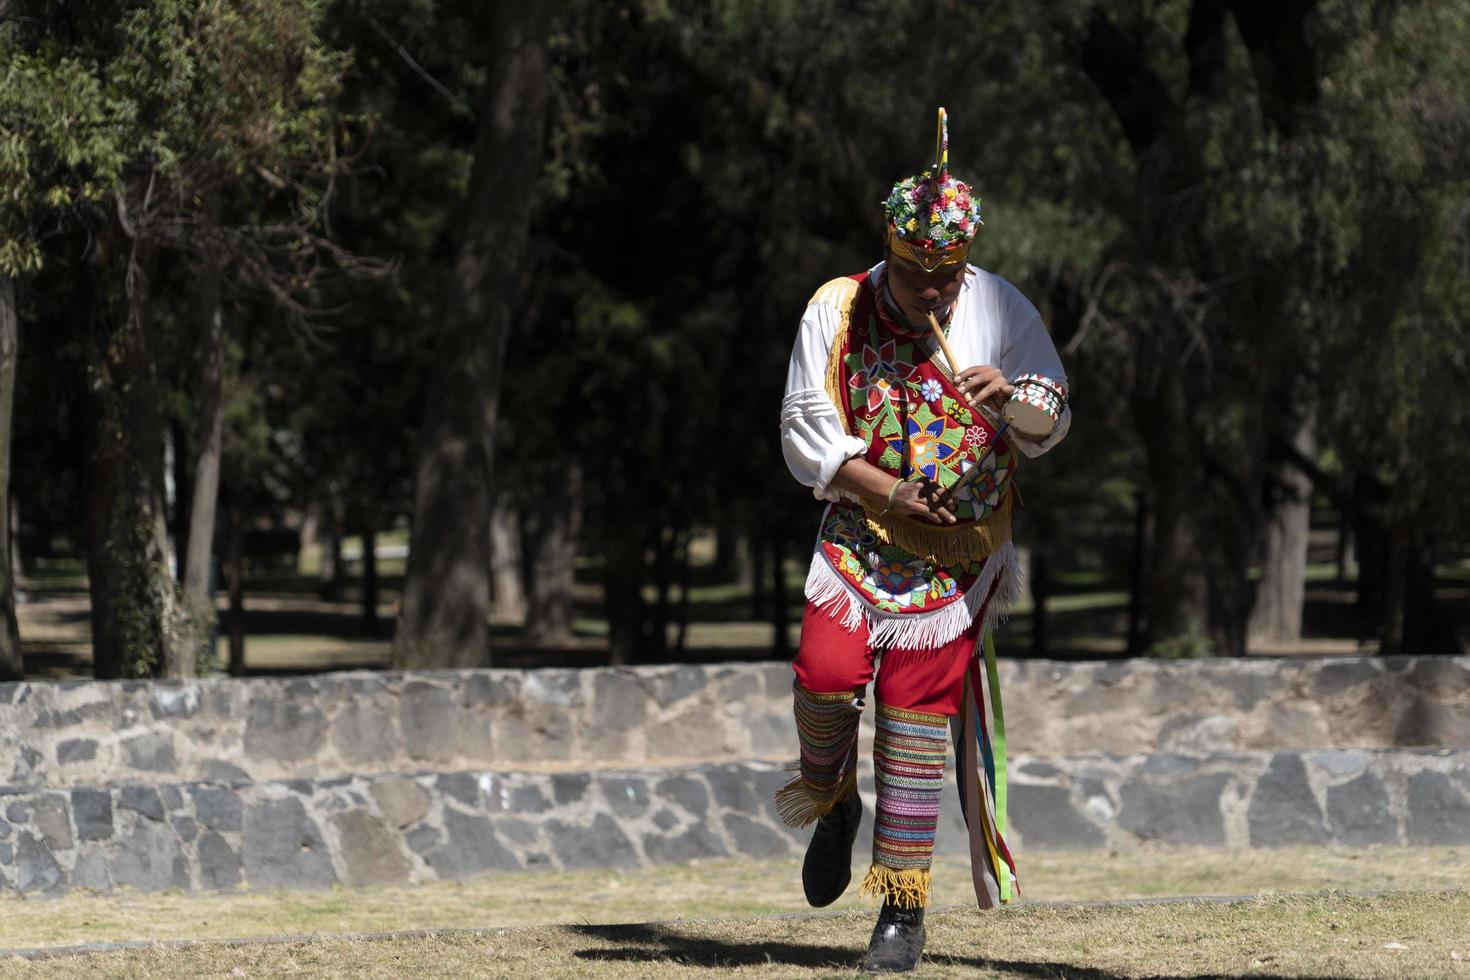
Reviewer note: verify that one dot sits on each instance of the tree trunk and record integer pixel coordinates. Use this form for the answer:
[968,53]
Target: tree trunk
[1391,633]
[105,582]
[780,615]
[622,589]
[508,566]
[670,562]
[1139,575]
[1277,614]
[727,550]
[1347,546]
[446,593]
[144,421]
[134,598]
[1372,547]
[205,464]
[1229,589]
[758,597]
[331,590]
[311,533]
[744,562]
[1177,599]
[17,557]
[11,666]
[551,570]
[179,487]
[1205,492]
[1040,590]
[369,581]
[686,580]
[1205,476]
[656,634]
[1428,627]
[235,559]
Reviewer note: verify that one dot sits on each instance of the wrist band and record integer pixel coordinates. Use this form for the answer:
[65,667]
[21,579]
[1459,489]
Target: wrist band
[891,493]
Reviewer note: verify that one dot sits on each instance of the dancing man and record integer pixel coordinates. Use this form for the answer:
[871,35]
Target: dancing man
[895,413]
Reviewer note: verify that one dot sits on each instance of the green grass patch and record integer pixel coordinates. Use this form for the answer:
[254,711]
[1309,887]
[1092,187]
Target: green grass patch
[307,652]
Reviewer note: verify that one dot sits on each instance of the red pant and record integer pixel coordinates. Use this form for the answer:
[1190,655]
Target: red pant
[832,659]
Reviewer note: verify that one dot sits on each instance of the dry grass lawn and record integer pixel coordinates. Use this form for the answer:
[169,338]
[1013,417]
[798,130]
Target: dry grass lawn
[579,923]
[705,889]
[1416,935]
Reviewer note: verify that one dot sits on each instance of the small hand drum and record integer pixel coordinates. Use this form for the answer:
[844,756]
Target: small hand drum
[1035,409]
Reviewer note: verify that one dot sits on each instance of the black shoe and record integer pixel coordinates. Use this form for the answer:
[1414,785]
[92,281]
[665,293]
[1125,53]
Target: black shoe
[898,940]
[827,870]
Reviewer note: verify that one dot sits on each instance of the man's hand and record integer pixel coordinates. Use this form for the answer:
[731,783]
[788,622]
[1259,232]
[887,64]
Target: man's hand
[984,384]
[923,500]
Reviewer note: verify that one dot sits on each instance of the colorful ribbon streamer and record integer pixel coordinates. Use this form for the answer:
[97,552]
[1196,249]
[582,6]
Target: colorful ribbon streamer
[982,783]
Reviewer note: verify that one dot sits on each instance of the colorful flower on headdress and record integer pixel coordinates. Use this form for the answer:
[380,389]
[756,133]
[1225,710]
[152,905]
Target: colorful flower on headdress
[933,214]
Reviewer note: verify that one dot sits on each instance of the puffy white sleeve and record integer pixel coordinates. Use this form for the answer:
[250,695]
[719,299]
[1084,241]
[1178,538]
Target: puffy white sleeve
[1028,350]
[812,437]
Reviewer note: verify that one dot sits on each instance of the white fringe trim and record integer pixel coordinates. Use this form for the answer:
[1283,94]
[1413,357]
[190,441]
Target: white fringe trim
[1007,591]
[829,591]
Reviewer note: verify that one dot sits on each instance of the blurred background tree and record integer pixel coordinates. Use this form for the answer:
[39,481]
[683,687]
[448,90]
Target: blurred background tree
[595,226]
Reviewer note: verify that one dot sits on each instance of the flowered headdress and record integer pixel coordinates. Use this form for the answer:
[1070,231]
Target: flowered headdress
[933,218]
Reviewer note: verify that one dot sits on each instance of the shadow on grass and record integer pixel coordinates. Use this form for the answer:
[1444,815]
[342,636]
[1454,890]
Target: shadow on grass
[655,944]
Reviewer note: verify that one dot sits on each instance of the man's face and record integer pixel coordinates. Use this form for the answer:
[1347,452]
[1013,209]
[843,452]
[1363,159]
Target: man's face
[917,292]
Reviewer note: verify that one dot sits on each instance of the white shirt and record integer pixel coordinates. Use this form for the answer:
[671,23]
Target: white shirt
[992,324]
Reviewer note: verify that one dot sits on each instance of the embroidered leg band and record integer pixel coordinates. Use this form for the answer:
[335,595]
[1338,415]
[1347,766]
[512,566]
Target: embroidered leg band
[827,725]
[908,763]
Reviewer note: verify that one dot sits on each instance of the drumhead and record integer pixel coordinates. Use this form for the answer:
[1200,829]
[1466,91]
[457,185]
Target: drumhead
[1029,419]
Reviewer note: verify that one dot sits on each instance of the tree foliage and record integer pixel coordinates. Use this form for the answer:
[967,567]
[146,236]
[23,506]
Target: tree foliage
[1238,220]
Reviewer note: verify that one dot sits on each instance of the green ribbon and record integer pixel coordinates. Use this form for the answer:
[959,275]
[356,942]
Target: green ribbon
[998,752]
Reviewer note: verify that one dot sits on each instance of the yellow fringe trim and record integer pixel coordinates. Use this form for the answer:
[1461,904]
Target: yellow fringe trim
[908,889]
[944,545]
[841,294]
[797,807]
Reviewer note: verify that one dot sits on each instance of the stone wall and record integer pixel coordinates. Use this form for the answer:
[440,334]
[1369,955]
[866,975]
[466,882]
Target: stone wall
[394,829]
[364,778]
[102,734]
[1238,704]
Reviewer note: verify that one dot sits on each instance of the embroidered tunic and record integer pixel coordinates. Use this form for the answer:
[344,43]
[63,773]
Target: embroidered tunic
[859,386]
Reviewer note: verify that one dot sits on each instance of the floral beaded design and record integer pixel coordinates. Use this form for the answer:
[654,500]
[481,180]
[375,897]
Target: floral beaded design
[917,584]
[883,373]
[892,579]
[900,405]
[931,442]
